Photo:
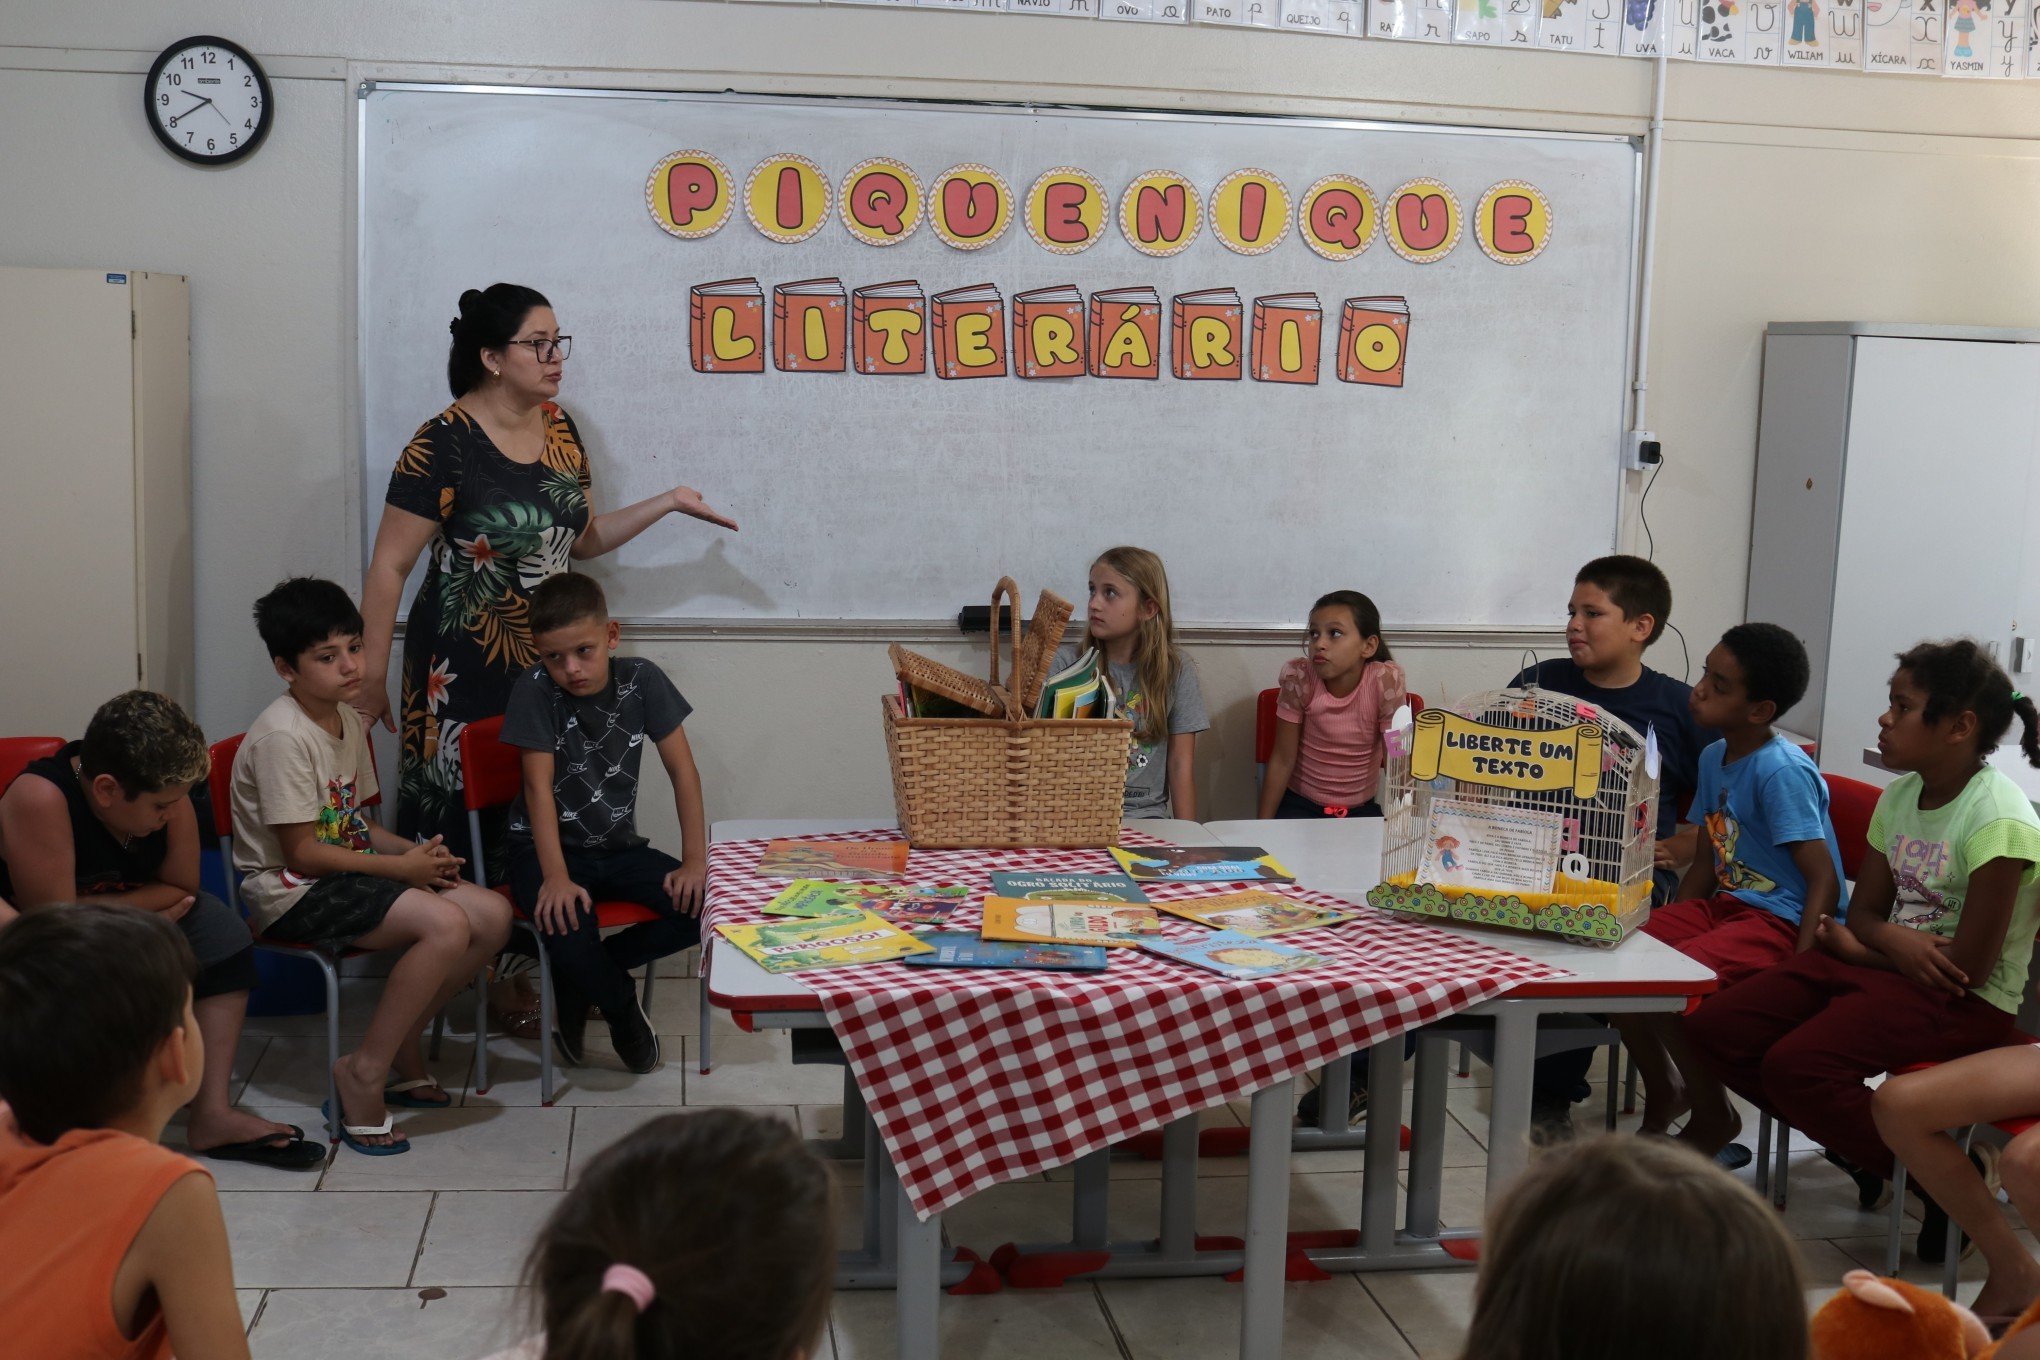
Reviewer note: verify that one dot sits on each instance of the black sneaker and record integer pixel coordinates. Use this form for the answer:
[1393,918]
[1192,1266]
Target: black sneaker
[570,1023]
[632,1037]
[1312,1105]
[1550,1120]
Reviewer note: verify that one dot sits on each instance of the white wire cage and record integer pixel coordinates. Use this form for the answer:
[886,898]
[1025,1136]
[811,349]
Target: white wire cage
[1600,893]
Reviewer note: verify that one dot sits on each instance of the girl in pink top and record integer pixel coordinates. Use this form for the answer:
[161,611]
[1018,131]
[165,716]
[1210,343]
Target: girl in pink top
[1335,703]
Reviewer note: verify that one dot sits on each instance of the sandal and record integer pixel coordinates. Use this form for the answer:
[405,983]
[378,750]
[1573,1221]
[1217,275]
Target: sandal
[350,1134]
[400,1095]
[295,1153]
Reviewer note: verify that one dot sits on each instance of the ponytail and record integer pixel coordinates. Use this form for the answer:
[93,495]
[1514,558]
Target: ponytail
[602,1325]
[2029,727]
[1961,677]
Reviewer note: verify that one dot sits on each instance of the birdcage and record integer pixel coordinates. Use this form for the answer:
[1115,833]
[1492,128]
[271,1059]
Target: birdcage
[1557,799]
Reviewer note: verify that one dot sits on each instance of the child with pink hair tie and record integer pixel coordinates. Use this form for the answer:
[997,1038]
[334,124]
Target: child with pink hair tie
[708,1235]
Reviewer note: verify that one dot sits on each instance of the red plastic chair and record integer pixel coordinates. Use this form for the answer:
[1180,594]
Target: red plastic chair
[1964,1136]
[16,753]
[1850,803]
[220,784]
[492,775]
[1264,728]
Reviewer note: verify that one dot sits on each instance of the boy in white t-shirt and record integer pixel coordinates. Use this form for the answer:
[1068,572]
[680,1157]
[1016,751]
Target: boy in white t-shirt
[317,872]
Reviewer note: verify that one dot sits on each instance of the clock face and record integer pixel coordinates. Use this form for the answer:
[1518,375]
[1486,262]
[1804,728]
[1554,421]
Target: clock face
[208,101]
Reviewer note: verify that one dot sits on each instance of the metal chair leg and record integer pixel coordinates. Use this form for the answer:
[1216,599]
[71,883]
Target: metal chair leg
[701,986]
[1784,1164]
[482,1031]
[335,1115]
[1614,1087]
[1952,1260]
[1465,1061]
[1895,1223]
[1629,1083]
[545,1027]
[438,1033]
[1763,1153]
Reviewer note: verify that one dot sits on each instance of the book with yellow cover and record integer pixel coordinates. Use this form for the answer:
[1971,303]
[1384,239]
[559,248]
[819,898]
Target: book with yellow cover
[831,942]
[904,904]
[1116,925]
[1255,913]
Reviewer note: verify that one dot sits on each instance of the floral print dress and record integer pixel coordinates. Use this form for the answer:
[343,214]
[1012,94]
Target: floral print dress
[504,526]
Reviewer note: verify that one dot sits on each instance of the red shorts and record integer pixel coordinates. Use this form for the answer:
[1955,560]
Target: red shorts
[1726,933]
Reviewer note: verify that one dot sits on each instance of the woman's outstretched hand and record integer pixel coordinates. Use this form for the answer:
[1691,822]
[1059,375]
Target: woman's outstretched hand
[688,501]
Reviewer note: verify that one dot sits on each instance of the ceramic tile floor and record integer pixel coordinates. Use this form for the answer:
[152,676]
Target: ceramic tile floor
[418,1255]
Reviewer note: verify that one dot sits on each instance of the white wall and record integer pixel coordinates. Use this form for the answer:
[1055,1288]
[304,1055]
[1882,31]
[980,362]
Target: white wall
[1786,196]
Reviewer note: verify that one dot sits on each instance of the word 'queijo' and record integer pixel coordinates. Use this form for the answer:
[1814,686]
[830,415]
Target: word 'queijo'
[1056,332]
[882,202]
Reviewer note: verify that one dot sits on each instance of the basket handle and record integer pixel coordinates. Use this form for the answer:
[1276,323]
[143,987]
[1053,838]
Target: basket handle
[1009,590]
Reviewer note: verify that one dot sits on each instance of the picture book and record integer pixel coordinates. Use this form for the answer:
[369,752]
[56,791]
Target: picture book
[1256,913]
[961,949]
[1048,332]
[810,332]
[1112,924]
[904,904]
[1080,690]
[726,326]
[1068,887]
[831,942]
[855,860]
[1201,864]
[1236,956]
[1126,333]
[1204,335]
[1287,327]
[889,328]
[969,332]
[1374,336]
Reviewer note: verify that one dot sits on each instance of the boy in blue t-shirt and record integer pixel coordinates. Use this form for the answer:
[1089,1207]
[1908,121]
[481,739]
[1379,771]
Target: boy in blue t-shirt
[1772,871]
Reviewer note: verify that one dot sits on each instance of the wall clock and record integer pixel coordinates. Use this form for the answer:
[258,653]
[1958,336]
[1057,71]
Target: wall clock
[208,101]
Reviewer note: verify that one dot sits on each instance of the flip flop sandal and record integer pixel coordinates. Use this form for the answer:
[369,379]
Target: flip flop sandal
[1734,1157]
[400,1095]
[350,1134]
[295,1154]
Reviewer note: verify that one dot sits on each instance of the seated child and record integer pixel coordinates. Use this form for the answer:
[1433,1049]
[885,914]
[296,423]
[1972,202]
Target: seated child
[317,872]
[1773,871]
[109,819]
[1152,681]
[1913,1113]
[1625,1247]
[708,1235]
[1932,962]
[1619,607]
[116,1247]
[1333,706]
[582,718]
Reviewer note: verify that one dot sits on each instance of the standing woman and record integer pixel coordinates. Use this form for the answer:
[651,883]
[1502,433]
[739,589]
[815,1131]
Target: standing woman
[497,484]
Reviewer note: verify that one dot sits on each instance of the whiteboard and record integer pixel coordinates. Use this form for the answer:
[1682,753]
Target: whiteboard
[1467,497]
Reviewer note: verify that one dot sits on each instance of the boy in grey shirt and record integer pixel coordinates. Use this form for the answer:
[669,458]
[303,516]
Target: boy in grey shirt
[582,718]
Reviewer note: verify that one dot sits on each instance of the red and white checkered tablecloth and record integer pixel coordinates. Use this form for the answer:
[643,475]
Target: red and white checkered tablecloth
[977,1076]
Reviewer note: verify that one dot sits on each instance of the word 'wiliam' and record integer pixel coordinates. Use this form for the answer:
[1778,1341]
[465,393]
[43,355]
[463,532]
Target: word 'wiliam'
[895,328]
[882,202]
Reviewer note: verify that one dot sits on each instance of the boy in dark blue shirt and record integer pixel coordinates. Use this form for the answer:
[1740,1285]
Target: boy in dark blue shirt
[1618,608]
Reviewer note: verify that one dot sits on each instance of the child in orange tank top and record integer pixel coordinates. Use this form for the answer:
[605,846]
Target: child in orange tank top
[116,1246]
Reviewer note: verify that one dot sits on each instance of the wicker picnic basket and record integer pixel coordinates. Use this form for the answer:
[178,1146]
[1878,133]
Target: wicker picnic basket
[1008,782]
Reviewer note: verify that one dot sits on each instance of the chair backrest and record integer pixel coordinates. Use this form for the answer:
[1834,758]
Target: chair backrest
[491,773]
[220,784]
[17,752]
[1850,803]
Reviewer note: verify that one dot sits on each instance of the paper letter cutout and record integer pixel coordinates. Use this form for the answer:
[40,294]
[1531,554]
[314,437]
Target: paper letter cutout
[688,194]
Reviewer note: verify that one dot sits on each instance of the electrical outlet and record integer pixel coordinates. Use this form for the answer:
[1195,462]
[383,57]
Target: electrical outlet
[1640,450]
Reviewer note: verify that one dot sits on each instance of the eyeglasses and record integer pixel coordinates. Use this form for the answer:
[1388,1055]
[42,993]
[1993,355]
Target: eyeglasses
[545,351]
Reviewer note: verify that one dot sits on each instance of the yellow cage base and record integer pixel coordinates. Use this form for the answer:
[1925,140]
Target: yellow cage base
[1590,912]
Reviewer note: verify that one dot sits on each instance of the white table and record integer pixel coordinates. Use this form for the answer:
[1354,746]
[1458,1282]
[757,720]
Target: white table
[1342,856]
[903,1252]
